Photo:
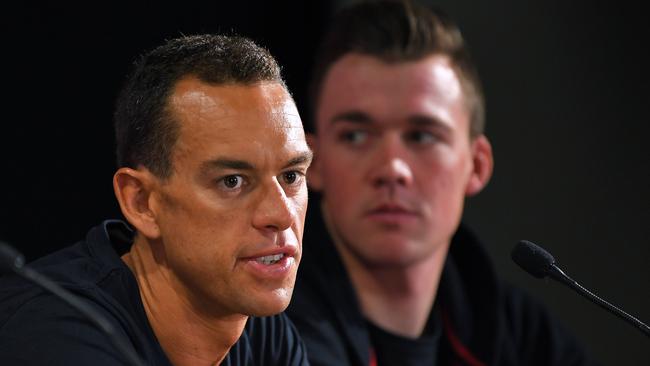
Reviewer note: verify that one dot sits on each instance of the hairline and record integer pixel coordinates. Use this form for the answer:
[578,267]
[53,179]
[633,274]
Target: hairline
[170,117]
[467,86]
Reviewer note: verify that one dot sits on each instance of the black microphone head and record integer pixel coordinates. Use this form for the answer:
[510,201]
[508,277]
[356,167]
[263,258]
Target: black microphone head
[10,258]
[532,258]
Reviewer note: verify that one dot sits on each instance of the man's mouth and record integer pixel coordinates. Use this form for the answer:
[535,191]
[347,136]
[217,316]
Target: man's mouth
[270,259]
[272,266]
[392,209]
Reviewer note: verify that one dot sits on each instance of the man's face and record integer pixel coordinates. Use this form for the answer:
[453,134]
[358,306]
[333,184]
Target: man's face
[393,157]
[231,215]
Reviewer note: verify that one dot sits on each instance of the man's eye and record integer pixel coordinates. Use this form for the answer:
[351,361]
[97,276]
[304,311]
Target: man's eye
[232,181]
[354,137]
[421,137]
[291,177]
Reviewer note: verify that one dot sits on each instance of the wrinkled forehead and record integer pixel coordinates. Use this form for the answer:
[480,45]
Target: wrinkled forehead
[195,102]
[224,117]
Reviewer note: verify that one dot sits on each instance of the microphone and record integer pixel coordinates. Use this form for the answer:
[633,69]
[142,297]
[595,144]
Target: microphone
[11,260]
[540,263]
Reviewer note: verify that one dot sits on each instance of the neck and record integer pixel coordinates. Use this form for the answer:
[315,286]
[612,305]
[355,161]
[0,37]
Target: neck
[408,290]
[188,333]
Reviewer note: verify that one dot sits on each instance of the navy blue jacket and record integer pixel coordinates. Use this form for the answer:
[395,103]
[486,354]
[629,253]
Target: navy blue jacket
[485,321]
[38,329]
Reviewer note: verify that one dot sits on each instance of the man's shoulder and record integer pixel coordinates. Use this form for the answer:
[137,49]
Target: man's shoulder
[539,337]
[39,328]
[31,316]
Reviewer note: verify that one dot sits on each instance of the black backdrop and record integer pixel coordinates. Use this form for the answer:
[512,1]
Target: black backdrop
[567,97]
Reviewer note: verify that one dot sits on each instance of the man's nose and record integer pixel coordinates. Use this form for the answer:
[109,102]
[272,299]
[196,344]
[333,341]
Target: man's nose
[391,165]
[274,211]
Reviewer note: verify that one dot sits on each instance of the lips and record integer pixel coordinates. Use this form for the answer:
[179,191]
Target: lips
[270,259]
[392,208]
[392,214]
[273,264]
[268,256]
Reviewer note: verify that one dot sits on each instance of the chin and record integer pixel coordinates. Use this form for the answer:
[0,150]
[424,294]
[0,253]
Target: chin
[275,303]
[393,262]
[393,255]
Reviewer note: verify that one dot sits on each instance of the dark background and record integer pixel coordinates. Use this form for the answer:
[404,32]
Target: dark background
[567,99]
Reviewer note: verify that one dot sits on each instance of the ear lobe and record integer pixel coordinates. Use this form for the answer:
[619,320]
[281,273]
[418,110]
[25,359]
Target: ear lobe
[483,164]
[133,191]
[314,178]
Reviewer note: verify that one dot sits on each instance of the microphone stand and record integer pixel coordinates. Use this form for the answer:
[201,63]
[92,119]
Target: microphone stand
[557,274]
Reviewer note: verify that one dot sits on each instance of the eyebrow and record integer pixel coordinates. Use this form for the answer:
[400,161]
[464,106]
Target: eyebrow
[420,120]
[352,116]
[304,158]
[358,117]
[227,164]
[224,163]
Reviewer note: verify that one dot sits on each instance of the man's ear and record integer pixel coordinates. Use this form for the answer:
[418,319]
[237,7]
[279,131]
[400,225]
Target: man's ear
[483,164]
[314,179]
[133,189]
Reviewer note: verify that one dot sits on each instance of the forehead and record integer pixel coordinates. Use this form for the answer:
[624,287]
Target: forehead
[227,117]
[383,90]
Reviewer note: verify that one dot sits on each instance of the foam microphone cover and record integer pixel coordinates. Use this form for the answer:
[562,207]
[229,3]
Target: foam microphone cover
[532,258]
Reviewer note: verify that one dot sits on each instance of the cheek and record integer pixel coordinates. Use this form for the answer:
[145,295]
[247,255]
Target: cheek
[300,202]
[194,228]
[444,178]
[341,179]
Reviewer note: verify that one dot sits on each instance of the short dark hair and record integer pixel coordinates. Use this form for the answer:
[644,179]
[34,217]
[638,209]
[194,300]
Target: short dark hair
[398,31]
[145,130]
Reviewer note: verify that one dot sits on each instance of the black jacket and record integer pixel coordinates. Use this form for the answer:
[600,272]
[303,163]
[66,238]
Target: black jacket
[485,321]
[37,328]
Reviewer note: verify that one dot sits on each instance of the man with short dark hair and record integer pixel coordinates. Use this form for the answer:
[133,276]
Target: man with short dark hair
[212,158]
[389,275]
